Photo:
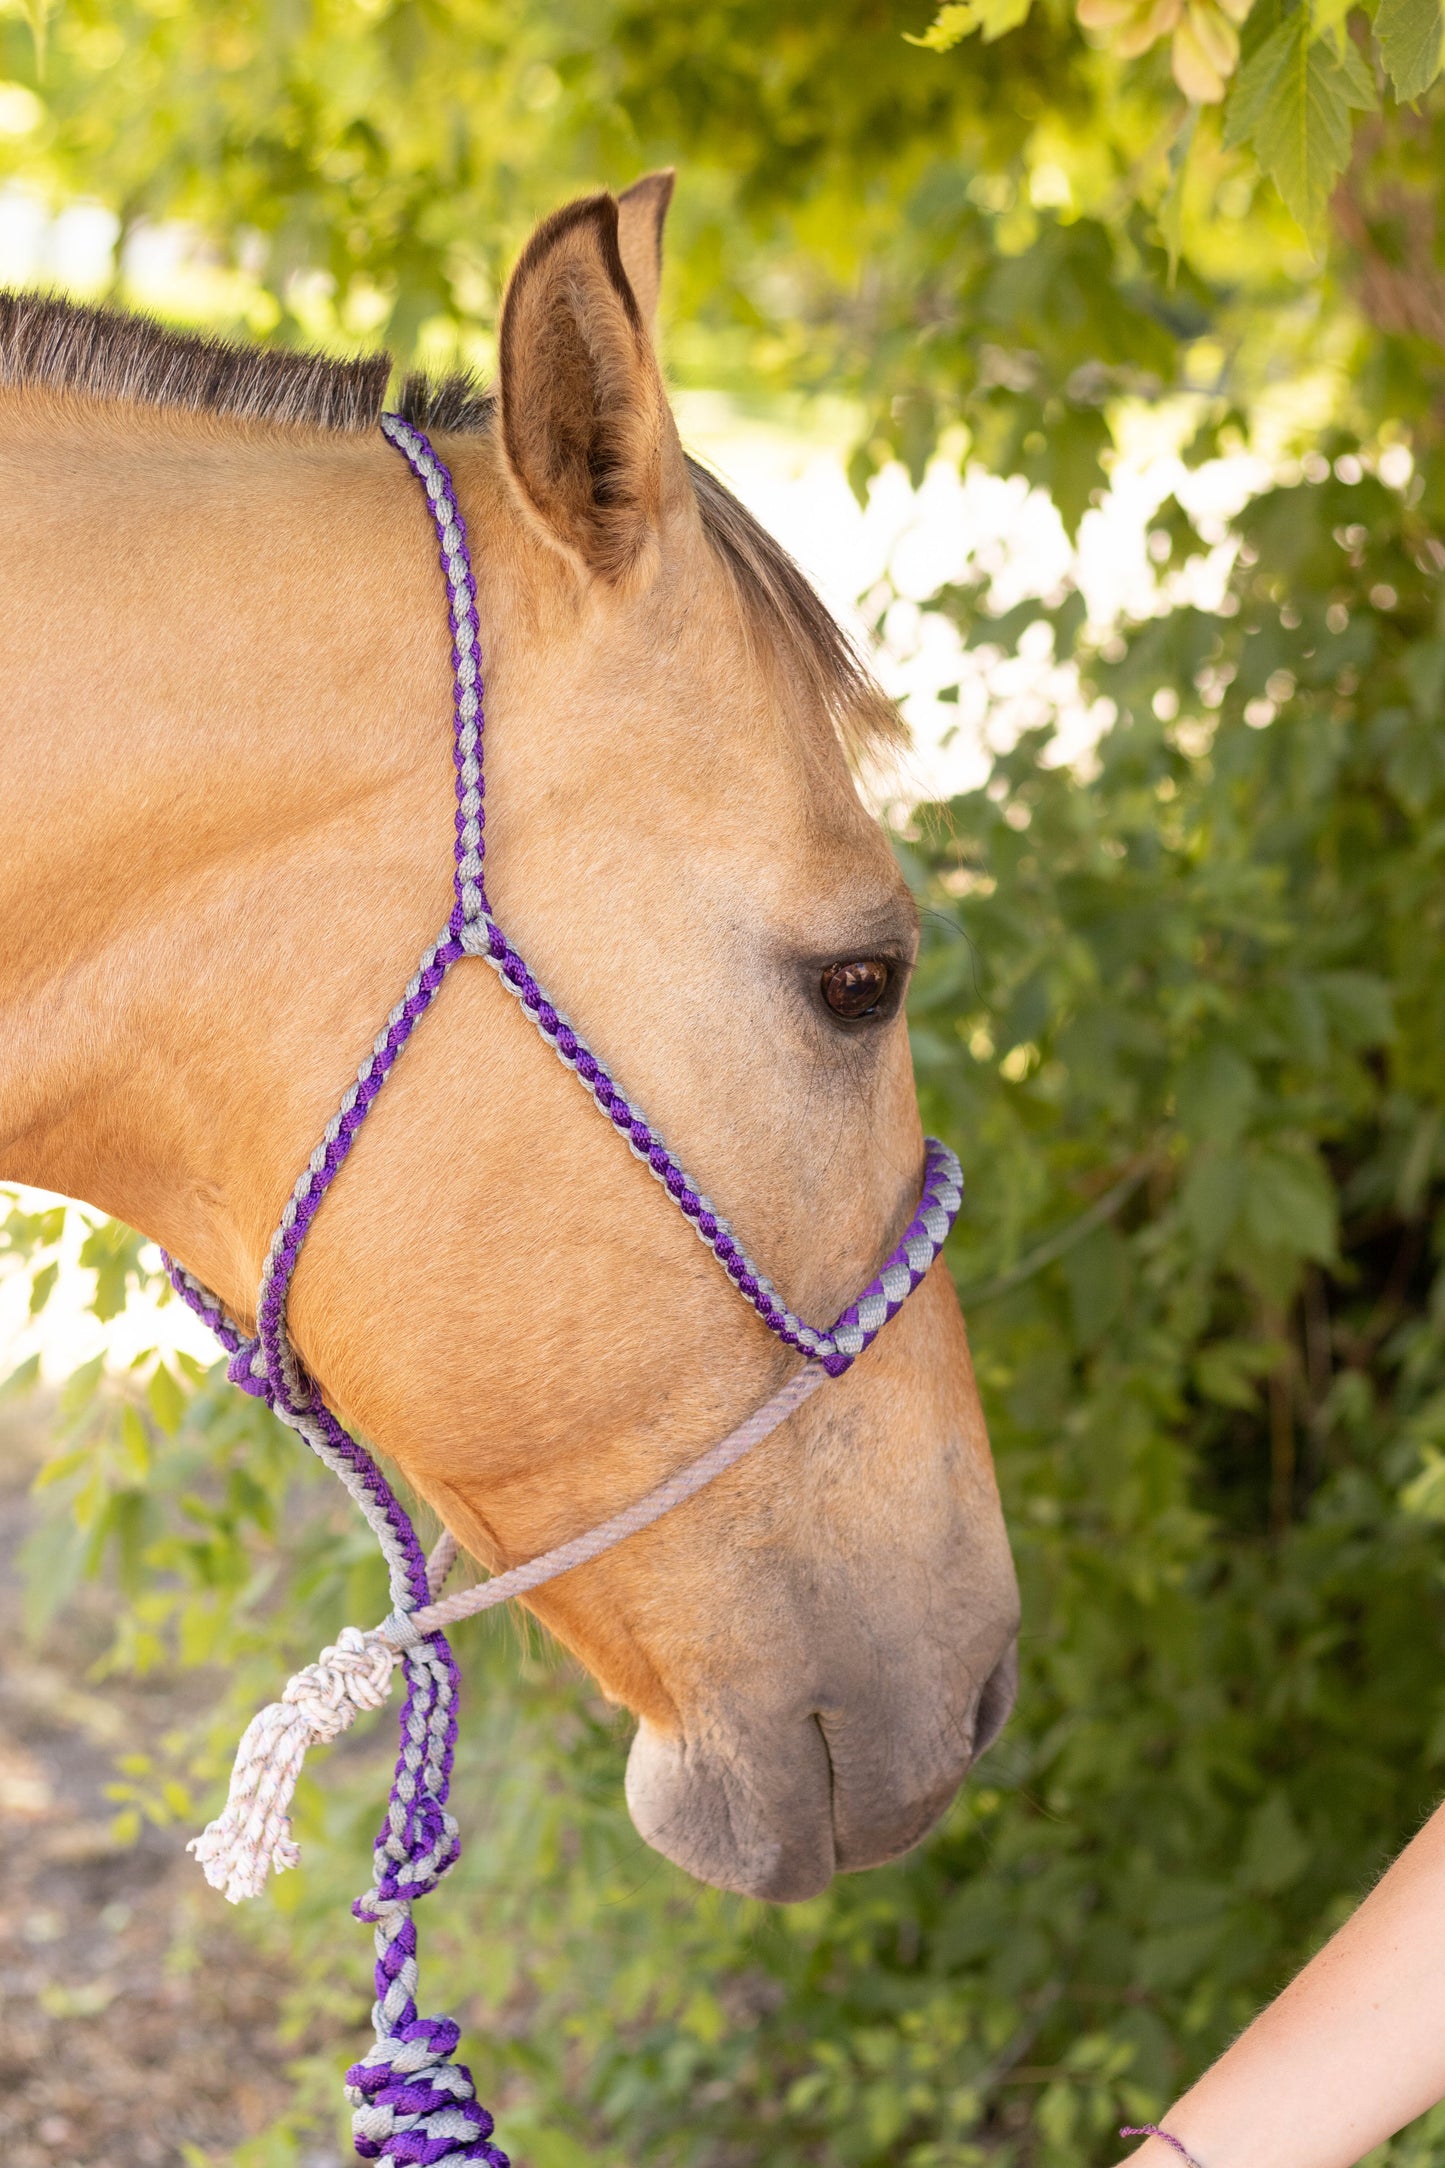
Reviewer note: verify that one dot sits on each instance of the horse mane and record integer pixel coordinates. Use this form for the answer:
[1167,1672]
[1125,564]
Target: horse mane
[108,354]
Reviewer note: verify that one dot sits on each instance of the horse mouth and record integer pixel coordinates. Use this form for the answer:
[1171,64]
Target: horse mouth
[776,1813]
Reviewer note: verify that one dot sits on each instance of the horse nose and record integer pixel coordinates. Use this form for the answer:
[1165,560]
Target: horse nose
[891,1782]
[774,1806]
[995,1703]
[741,1812]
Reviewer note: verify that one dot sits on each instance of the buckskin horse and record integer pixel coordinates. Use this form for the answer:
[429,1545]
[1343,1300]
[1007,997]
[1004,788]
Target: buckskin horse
[224,758]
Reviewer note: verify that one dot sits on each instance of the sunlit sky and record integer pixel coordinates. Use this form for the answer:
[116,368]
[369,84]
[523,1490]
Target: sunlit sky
[887,558]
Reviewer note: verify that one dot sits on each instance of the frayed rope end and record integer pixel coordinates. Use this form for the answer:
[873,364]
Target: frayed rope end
[251,1837]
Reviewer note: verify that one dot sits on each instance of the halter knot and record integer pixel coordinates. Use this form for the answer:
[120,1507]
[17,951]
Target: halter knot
[247,1369]
[411,2103]
[354,1673]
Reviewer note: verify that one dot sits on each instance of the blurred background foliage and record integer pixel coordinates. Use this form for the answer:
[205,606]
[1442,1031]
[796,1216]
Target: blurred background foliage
[1180,1008]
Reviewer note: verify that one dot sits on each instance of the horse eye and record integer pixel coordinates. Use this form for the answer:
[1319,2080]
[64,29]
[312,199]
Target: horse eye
[855,990]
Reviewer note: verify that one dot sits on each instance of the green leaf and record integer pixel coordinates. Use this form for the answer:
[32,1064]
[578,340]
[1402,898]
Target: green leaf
[37,14]
[960,18]
[79,1388]
[1329,18]
[1290,1206]
[1070,463]
[1171,209]
[111,1250]
[1411,37]
[1211,1199]
[1423,1497]
[167,1401]
[1276,1851]
[1096,1274]
[135,1446]
[1215,1094]
[63,1466]
[21,1378]
[1227,1372]
[42,1286]
[52,1563]
[1292,100]
[1359,1006]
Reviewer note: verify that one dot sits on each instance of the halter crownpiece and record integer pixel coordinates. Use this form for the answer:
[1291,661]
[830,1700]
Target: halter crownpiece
[412,2103]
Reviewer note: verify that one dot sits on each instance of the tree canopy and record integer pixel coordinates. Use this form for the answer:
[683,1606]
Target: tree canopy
[1180,1009]
[1008,220]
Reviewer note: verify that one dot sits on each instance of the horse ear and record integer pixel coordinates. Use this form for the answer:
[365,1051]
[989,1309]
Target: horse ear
[586,431]
[641,216]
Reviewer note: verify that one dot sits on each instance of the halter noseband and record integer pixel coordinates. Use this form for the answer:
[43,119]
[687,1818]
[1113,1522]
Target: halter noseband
[411,2101]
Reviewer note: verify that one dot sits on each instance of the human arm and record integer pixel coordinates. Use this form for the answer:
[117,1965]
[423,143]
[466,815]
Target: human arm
[1353,2048]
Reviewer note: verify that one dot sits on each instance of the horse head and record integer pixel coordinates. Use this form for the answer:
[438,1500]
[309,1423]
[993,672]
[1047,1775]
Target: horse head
[818,1647]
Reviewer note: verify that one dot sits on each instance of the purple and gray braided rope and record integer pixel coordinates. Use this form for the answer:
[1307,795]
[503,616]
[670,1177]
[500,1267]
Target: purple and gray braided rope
[412,2103]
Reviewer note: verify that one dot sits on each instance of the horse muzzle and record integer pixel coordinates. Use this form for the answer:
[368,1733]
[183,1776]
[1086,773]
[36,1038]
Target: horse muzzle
[775,1807]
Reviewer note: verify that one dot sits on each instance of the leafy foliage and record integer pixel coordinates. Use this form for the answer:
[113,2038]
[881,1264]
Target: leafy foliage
[1293,101]
[1410,35]
[989,246]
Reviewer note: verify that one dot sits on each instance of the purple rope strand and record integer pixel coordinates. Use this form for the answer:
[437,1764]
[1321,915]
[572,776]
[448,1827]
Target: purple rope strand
[412,2103]
[454,551]
[840,1345]
[306,1199]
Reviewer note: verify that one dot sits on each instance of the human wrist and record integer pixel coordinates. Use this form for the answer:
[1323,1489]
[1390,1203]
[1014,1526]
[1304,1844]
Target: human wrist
[1160,2134]
[1166,2144]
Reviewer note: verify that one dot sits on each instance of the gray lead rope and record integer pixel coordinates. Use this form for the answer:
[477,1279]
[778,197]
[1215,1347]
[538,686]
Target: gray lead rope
[674,1490]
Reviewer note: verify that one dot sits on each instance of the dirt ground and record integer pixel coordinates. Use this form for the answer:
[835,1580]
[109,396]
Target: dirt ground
[137,2026]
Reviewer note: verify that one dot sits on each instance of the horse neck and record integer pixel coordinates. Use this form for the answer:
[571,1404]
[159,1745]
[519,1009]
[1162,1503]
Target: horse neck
[222,744]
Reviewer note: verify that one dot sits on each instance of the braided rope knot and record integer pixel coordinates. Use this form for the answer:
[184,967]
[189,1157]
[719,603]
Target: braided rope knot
[432,1845]
[412,2104]
[247,1369]
[252,1834]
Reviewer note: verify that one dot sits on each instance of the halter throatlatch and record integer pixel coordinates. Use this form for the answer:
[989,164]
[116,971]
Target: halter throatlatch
[412,2103]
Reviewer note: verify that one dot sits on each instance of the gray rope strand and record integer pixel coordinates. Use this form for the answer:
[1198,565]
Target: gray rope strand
[439,1564]
[672,1491]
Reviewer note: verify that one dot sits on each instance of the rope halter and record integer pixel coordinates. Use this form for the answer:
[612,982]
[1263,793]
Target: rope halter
[412,2103]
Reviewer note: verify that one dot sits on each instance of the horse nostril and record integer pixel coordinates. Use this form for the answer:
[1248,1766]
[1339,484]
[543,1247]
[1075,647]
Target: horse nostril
[996,1700]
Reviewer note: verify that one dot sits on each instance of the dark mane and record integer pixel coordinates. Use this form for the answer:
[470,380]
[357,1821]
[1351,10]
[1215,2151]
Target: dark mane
[110,354]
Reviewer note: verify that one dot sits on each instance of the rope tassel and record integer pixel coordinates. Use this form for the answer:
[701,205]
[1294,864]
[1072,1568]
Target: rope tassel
[252,1834]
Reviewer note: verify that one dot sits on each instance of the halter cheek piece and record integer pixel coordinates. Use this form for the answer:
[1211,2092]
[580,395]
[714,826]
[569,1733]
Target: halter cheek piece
[411,2102]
